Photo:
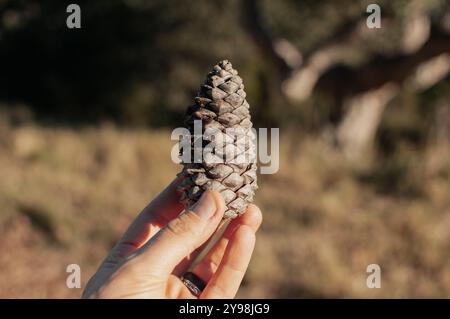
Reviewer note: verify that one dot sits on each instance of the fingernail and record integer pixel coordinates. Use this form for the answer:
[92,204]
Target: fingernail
[205,206]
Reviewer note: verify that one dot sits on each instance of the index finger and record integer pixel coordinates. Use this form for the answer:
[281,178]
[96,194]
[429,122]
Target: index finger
[228,277]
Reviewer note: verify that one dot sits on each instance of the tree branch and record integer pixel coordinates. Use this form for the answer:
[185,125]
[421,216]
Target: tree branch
[316,68]
[344,81]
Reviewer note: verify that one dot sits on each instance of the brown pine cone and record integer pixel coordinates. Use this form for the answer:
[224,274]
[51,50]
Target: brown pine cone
[230,167]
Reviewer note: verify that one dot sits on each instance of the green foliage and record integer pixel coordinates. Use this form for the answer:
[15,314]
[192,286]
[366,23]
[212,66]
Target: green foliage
[133,62]
[139,63]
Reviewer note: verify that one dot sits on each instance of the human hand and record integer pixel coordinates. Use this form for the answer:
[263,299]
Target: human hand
[161,243]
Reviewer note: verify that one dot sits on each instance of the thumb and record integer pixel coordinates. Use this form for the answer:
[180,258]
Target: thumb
[182,235]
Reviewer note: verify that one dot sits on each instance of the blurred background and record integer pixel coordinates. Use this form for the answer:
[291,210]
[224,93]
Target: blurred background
[364,117]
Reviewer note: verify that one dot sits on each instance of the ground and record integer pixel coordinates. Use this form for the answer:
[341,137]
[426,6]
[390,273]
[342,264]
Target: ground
[66,196]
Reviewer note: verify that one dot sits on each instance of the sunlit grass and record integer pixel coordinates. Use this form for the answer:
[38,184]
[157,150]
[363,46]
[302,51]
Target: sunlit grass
[67,195]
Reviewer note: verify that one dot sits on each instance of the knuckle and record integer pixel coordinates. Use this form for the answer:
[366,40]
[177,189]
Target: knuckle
[187,224]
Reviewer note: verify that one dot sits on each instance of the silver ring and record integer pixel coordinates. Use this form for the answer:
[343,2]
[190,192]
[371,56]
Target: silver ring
[193,283]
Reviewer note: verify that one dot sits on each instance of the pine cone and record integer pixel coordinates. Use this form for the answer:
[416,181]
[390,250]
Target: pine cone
[230,166]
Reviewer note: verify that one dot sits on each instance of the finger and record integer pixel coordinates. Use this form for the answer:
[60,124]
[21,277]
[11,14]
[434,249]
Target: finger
[228,277]
[159,212]
[187,261]
[181,235]
[175,289]
[208,266]
[252,217]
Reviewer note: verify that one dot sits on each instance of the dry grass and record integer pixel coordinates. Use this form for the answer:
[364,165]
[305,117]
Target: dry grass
[66,196]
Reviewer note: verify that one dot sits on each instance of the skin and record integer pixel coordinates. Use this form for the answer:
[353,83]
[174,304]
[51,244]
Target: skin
[161,243]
